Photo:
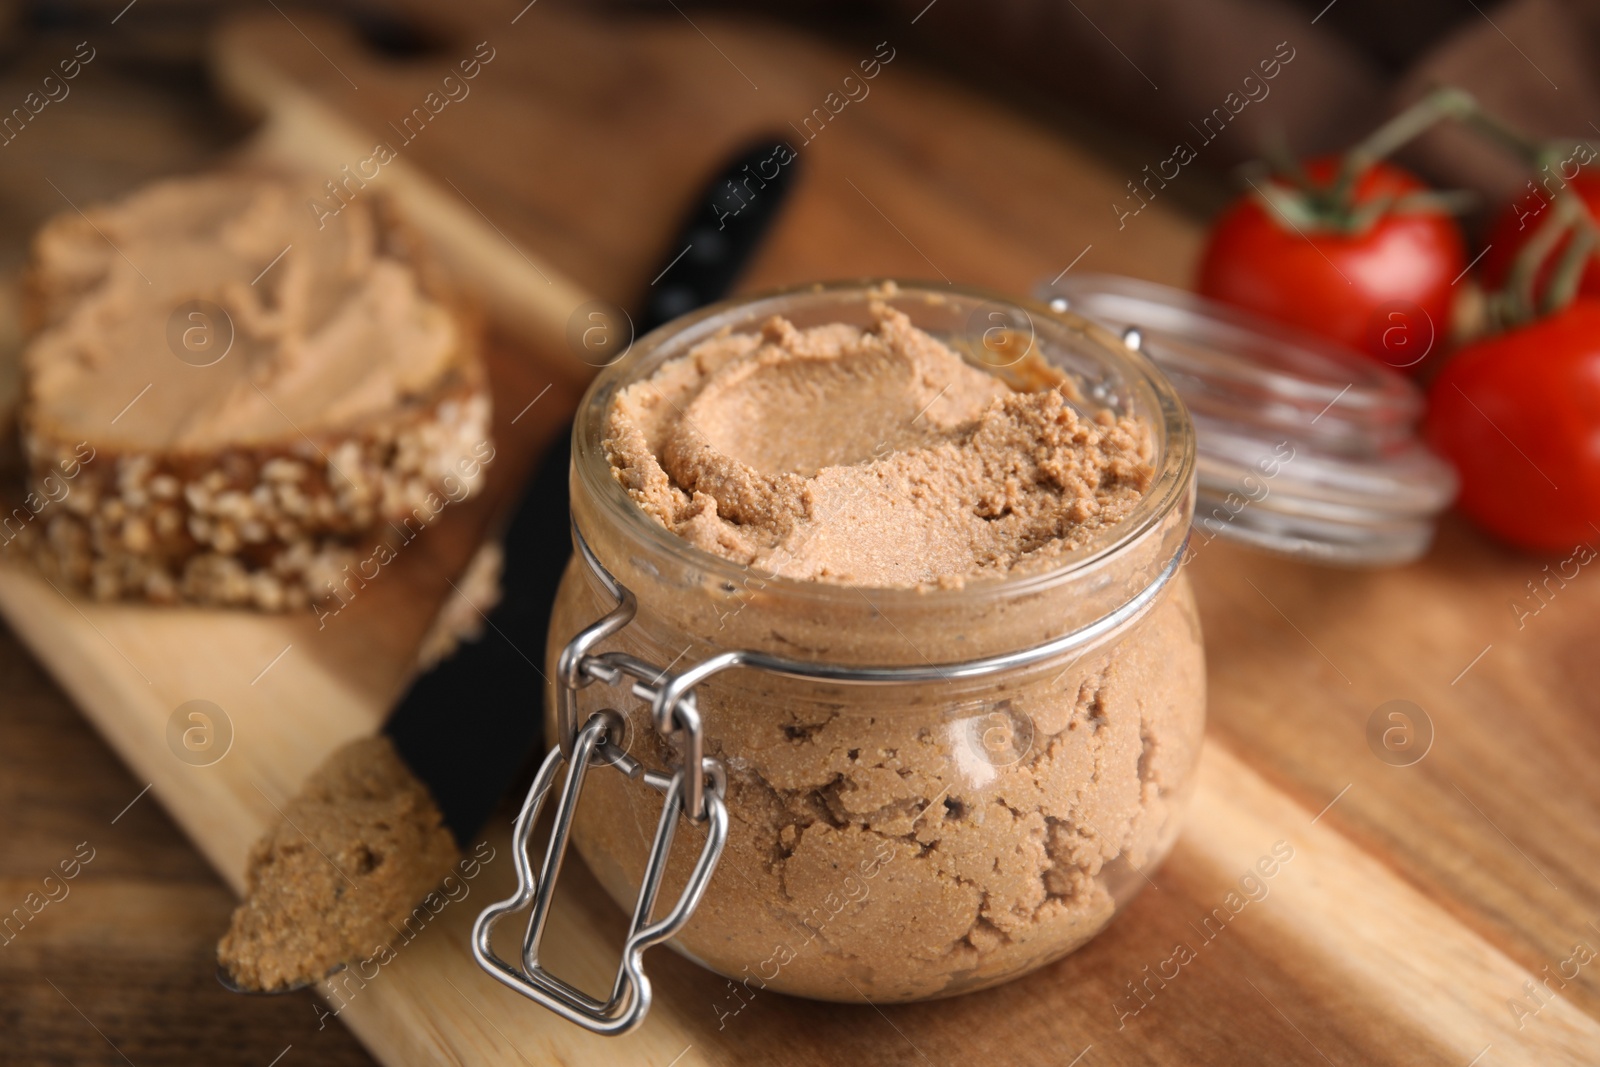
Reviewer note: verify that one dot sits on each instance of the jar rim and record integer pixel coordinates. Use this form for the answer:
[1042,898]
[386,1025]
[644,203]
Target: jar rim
[1173,464]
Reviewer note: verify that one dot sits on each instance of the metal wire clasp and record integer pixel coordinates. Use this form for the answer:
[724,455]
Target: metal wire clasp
[675,715]
[598,745]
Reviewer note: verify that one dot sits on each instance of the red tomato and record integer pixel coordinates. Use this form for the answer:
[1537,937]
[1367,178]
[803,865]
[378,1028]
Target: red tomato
[1519,416]
[1518,223]
[1386,292]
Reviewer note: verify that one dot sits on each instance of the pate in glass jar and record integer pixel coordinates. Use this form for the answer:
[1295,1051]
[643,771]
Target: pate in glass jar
[897,568]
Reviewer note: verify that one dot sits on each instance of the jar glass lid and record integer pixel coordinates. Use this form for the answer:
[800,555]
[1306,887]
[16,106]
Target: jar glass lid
[1306,448]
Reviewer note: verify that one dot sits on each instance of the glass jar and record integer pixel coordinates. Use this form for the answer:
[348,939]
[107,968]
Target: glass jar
[923,791]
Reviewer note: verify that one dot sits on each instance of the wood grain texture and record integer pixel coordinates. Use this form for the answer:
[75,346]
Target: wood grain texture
[1419,901]
[131,943]
[584,139]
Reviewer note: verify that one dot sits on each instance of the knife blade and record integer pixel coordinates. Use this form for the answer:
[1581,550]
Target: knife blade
[468,726]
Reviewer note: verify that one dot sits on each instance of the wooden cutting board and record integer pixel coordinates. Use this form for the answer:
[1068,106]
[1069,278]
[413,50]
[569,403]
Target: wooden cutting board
[1420,901]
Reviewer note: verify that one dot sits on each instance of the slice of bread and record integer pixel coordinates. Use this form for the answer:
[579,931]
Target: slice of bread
[228,389]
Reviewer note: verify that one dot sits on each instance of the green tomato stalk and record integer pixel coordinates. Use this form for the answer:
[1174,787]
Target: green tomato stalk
[1569,221]
[1332,207]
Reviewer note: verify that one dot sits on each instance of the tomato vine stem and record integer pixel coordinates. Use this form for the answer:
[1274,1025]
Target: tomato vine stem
[1331,205]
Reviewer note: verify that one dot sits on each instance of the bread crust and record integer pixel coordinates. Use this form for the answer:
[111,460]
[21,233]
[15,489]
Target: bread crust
[265,524]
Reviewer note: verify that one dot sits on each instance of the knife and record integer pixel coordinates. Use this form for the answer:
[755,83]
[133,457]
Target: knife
[470,724]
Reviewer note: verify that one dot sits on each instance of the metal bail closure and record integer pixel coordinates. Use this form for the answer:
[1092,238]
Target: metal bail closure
[630,994]
[694,784]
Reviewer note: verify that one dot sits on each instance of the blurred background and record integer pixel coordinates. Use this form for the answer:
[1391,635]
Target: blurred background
[1123,78]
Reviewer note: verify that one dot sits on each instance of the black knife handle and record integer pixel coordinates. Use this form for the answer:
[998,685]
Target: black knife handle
[720,232]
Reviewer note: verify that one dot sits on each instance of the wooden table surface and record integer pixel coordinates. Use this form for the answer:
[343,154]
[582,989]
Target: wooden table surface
[1423,900]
